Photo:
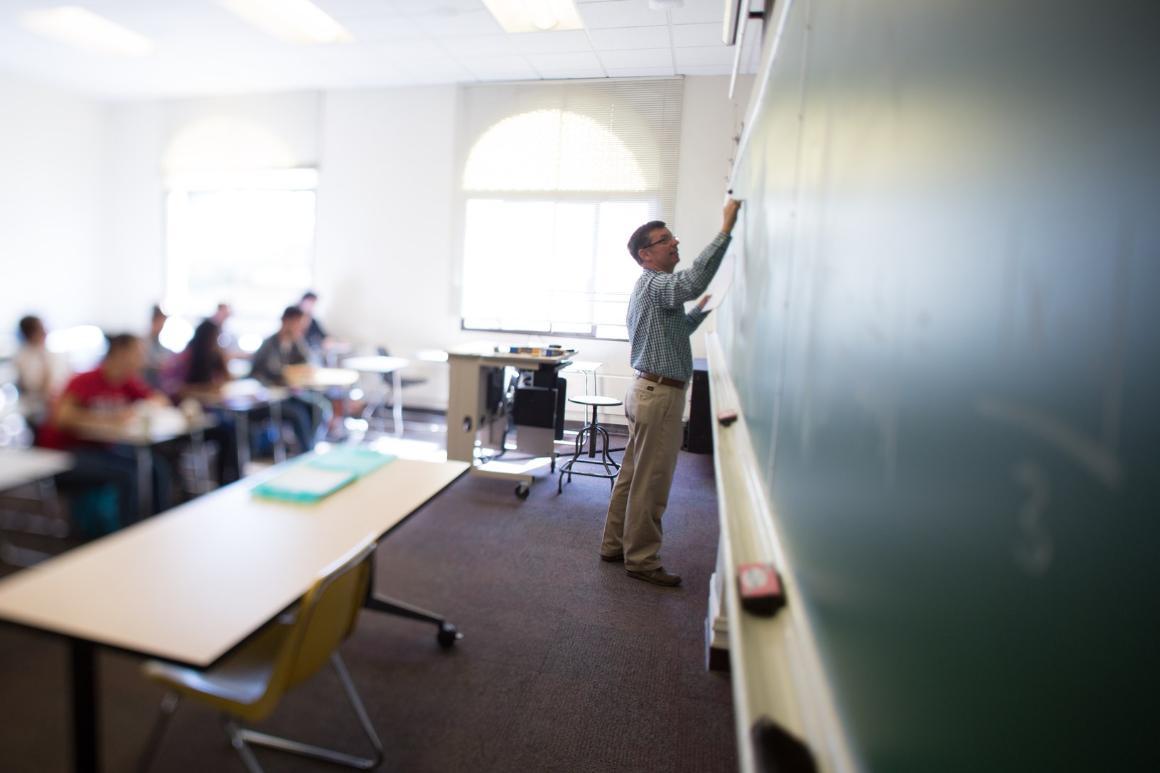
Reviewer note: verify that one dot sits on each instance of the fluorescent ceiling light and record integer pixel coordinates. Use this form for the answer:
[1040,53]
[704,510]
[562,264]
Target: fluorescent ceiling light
[86,30]
[535,15]
[298,21]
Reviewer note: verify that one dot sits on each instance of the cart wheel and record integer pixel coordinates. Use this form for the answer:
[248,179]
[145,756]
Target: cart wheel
[447,635]
[522,491]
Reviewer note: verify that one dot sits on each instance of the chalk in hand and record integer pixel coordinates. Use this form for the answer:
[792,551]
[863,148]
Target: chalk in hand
[726,417]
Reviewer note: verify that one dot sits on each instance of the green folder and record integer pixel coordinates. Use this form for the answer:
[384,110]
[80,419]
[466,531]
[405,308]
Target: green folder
[315,478]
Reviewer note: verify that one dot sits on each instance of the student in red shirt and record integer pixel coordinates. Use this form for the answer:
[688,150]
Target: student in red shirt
[104,399]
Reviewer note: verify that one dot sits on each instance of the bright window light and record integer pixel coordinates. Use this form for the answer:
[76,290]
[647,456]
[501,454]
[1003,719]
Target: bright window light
[535,15]
[242,239]
[83,29]
[552,150]
[176,334]
[297,21]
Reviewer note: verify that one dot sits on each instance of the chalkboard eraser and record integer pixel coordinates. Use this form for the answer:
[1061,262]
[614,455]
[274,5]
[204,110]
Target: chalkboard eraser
[759,588]
[776,750]
[726,417]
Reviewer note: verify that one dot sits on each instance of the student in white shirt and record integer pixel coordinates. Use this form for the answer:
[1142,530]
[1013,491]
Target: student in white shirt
[40,374]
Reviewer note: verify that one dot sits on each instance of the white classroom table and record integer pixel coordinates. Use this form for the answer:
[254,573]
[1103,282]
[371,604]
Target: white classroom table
[151,426]
[190,585]
[241,397]
[310,377]
[19,466]
[381,365]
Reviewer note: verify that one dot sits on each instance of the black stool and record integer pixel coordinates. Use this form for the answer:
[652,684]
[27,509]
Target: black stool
[590,432]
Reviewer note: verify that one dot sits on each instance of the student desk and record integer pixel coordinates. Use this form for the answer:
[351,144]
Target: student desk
[19,466]
[151,426]
[321,380]
[381,365]
[190,585]
[310,377]
[240,398]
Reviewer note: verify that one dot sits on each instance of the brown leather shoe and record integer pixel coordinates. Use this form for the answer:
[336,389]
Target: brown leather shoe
[656,576]
[615,558]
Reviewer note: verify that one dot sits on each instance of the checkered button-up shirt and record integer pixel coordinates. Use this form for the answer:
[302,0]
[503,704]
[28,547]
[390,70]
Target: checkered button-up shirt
[658,327]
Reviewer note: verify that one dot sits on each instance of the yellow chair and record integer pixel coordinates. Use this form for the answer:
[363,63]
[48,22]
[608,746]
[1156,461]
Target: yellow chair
[247,685]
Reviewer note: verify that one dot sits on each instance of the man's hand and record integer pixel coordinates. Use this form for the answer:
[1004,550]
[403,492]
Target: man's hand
[731,208]
[702,303]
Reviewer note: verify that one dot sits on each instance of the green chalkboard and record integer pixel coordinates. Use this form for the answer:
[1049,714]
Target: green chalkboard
[944,327]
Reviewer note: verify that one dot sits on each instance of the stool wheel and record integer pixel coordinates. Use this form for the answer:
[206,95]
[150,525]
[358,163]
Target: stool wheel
[448,635]
[522,490]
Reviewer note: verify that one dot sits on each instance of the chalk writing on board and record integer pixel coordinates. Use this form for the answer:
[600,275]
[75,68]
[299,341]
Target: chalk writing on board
[1034,547]
[1089,454]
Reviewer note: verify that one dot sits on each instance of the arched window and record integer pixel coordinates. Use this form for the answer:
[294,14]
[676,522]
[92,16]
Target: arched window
[552,190]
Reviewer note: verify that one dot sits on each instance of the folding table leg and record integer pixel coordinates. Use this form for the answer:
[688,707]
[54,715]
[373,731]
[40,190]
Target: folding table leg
[86,755]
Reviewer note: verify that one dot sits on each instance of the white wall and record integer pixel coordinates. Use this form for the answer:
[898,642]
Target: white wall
[51,232]
[386,258]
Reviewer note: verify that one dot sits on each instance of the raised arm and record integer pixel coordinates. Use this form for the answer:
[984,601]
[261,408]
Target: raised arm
[673,290]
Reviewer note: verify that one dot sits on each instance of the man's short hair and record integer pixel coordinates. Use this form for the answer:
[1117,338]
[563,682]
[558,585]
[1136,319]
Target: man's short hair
[28,326]
[639,239]
[292,313]
[120,341]
[309,295]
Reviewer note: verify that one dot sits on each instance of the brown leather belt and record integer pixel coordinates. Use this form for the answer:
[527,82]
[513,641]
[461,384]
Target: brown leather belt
[662,380]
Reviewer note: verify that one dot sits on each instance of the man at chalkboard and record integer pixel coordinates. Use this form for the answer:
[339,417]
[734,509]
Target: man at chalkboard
[658,334]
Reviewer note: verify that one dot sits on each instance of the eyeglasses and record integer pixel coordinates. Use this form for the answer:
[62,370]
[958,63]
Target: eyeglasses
[663,240]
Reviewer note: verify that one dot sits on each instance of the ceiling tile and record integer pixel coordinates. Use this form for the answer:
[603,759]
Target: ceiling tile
[700,11]
[469,23]
[356,8]
[630,72]
[620,38]
[479,45]
[551,42]
[652,57]
[697,35]
[500,68]
[704,56]
[621,13]
[370,29]
[436,69]
[570,65]
[426,7]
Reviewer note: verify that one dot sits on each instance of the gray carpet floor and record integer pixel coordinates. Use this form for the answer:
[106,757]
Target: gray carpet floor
[567,664]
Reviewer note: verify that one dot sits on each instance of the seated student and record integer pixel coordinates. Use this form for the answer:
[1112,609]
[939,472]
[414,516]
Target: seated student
[199,372]
[156,355]
[227,340]
[287,347]
[39,373]
[105,398]
[324,349]
[314,336]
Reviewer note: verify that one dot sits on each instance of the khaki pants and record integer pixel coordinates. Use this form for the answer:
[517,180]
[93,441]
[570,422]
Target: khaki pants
[641,493]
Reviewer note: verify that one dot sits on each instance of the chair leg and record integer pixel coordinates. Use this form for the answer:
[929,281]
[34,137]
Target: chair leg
[165,712]
[244,736]
[357,704]
[238,741]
